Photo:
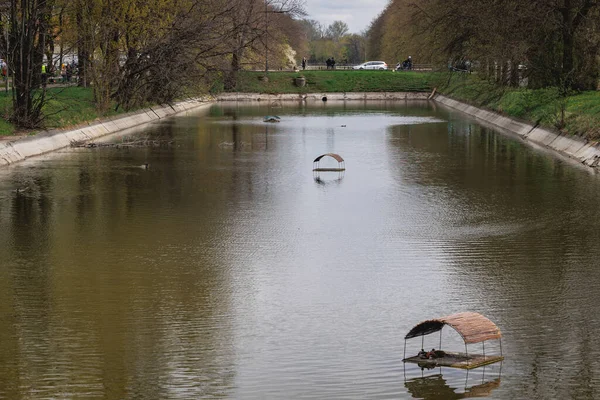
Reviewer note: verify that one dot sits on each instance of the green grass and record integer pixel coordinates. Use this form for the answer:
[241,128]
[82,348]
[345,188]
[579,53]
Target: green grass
[6,128]
[543,106]
[71,106]
[65,107]
[335,81]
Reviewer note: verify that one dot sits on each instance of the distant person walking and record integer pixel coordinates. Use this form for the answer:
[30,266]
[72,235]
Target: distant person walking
[303,63]
[44,74]
[332,63]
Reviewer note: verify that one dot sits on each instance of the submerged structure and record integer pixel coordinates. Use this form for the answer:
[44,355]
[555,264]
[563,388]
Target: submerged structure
[337,157]
[472,327]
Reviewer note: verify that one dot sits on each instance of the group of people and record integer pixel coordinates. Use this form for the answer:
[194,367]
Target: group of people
[405,65]
[330,63]
[66,72]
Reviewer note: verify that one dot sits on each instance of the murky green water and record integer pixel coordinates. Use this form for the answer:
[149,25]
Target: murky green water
[226,270]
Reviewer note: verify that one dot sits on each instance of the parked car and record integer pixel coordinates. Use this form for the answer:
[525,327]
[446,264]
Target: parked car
[379,65]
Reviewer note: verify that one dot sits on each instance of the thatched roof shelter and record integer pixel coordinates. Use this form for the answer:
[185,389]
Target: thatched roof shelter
[337,157]
[472,326]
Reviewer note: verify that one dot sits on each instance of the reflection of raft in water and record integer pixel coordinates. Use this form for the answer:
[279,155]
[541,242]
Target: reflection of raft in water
[436,387]
[472,327]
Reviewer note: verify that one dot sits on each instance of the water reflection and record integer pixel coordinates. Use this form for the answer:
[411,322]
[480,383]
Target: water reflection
[439,384]
[228,269]
[325,178]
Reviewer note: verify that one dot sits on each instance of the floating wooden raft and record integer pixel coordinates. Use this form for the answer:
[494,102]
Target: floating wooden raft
[472,327]
[456,360]
[337,157]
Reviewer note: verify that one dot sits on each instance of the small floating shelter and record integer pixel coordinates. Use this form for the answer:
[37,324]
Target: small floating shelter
[471,326]
[337,157]
[271,118]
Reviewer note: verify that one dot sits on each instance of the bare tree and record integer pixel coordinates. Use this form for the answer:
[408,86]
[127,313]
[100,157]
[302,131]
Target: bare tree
[28,30]
[163,60]
[337,30]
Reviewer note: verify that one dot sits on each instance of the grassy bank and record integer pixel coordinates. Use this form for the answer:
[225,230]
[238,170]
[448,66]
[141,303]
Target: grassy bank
[66,106]
[335,81]
[576,114]
[69,106]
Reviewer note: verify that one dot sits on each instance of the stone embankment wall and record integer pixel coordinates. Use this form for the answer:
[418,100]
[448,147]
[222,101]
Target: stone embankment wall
[577,148]
[580,149]
[20,149]
[320,96]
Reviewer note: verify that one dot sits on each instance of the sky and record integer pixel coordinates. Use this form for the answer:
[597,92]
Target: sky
[358,14]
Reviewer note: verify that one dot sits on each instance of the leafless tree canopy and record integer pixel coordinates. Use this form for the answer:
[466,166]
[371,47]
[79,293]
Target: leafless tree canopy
[558,40]
[134,52]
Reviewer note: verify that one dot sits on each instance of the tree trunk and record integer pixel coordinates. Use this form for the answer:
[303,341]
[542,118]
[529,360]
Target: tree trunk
[26,51]
[83,46]
[231,77]
[568,42]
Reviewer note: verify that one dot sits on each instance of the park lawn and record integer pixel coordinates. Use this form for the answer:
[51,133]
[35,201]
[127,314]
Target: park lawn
[6,128]
[65,107]
[335,81]
[70,106]
[540,106]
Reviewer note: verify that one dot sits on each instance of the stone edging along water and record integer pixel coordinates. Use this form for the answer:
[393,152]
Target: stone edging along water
[41,143]
[577,148]
[574,147]
[12,151]
[319,96]
[580,149]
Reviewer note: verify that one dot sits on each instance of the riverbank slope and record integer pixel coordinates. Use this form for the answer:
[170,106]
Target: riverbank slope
[575,114]
[502,107]
[583,150]
[12,151]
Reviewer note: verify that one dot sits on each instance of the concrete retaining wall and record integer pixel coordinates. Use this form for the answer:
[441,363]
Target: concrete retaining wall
[582,150]
[319,96]
[20,149]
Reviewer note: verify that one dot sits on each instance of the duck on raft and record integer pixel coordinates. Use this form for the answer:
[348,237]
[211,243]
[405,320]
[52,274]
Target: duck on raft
[271,118]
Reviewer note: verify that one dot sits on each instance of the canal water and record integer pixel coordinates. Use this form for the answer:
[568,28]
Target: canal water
[226,269]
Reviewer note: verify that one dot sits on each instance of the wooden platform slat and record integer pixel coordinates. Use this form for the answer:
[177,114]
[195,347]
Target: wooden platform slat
[457,360]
